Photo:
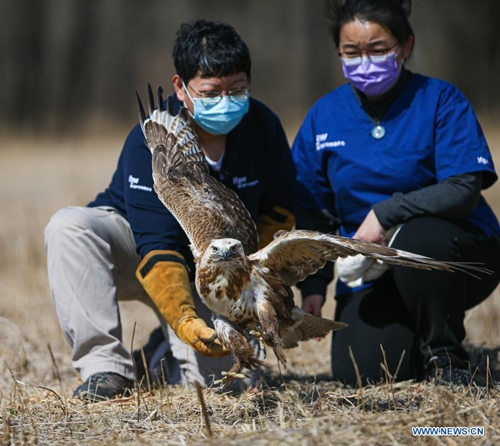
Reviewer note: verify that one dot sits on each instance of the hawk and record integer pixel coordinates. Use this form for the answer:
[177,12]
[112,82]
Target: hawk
[248,290]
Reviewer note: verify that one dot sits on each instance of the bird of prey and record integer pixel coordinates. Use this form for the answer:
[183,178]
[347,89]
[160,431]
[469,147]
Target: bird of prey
[248,290]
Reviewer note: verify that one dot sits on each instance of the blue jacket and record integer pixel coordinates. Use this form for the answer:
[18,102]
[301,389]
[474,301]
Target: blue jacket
[257,165]
[431,134]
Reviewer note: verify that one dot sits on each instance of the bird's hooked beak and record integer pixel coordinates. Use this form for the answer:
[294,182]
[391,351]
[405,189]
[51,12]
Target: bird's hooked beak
[224,253]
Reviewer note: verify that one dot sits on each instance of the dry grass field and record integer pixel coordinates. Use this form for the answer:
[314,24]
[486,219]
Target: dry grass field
[302,407]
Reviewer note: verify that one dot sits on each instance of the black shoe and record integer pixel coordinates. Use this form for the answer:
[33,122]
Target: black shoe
[455,376]
[103,386]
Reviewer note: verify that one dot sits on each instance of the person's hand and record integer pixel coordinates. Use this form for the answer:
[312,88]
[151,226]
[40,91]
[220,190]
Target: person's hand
[313,303]
[195,332]
[164,276]
[371,230]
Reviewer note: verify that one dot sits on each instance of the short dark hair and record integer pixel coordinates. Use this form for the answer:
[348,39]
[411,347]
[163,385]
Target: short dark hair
[391,14]
[213,48]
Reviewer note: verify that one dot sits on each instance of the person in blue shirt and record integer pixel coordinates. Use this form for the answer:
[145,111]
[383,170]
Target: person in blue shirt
[126,245]
[394,157]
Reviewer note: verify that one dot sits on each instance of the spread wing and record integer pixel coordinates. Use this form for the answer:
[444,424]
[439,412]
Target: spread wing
[296,254]
[203,206]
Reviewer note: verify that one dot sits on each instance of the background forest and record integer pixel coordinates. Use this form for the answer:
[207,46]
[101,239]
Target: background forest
[67,66]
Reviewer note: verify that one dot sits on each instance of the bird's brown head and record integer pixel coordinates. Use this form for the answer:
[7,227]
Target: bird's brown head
[224,250]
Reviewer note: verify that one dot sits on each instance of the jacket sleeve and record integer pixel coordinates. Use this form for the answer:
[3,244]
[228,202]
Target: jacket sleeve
[275,210]
[312,188]
[281,180]
[452,199]
[153,226]
[314,201]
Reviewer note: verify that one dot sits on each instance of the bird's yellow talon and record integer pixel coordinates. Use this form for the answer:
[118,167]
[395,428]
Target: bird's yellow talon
[227,377]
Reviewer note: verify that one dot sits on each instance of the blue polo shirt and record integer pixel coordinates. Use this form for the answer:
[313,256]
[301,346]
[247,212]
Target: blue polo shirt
[257,165]
[432,133]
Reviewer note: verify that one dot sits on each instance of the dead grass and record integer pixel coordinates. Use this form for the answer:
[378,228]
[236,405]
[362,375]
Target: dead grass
[296,412]
[302,407]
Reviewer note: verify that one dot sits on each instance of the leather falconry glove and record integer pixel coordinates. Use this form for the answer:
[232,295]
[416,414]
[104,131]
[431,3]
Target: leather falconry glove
[164,276]
[275,220]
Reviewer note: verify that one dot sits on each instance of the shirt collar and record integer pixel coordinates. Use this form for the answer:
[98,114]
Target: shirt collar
[377,109]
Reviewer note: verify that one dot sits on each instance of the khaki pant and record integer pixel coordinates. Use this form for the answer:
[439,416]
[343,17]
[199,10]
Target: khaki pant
[91,260]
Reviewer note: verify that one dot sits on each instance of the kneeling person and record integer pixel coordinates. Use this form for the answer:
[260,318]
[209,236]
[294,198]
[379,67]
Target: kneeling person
[125,245]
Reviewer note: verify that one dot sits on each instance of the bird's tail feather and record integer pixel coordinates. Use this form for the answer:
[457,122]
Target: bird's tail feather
[318,327]
[307,326]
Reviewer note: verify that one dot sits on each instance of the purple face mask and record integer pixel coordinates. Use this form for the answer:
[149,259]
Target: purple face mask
[372,75]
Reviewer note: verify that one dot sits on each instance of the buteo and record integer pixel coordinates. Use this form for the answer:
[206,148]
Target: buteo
[248,290]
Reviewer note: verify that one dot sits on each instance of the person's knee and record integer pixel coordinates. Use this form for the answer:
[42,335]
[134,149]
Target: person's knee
[428,236]
[64,223]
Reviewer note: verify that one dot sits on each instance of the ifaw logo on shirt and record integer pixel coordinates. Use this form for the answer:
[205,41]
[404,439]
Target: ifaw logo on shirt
[322,143]
[242,182]
[133,183]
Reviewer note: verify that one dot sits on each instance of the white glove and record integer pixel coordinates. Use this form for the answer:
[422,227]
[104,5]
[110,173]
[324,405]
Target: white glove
[355,270]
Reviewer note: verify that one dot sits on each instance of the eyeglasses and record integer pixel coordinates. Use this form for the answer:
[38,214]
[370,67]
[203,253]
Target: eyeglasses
[353,54]
[214,97]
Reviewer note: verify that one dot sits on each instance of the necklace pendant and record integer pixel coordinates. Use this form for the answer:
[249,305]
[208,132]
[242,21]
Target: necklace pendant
[378,132]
